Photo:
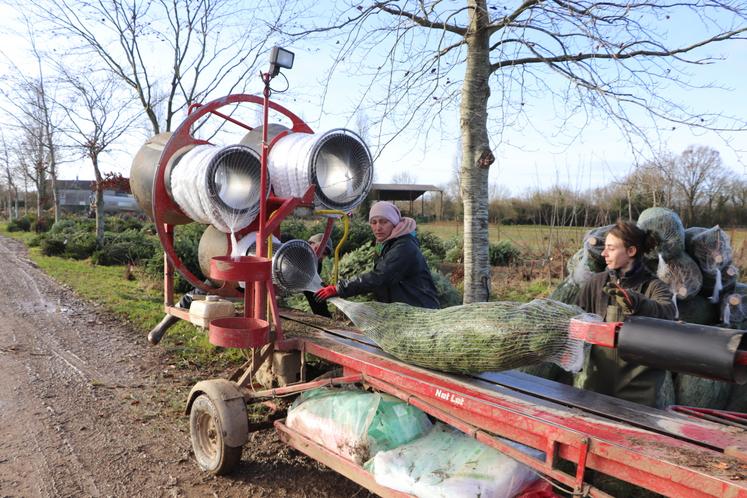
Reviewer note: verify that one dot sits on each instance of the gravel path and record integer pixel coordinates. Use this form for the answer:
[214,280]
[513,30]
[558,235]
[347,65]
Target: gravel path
[87,408]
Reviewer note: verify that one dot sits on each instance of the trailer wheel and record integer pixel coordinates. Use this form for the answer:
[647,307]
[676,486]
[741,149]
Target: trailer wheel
[208,438]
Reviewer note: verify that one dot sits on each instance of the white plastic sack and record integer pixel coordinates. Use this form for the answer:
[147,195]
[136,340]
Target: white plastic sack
[356,424]
[445,463]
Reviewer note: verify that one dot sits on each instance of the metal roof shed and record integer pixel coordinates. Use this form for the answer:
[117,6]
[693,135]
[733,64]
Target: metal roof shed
[406,192]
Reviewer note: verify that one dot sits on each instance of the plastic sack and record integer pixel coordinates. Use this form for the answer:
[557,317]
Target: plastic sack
[356,424]
[446,463]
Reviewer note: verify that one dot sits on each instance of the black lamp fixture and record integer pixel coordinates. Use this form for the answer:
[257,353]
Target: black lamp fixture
[280,58]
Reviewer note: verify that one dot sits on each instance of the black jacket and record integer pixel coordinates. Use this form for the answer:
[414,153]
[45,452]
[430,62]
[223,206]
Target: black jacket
[607,373]
[656,302]
[400,275]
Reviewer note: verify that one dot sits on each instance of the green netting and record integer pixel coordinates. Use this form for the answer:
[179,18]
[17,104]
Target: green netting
[690,390]
[474,337]
[594,241]
[667,228]
[682,274]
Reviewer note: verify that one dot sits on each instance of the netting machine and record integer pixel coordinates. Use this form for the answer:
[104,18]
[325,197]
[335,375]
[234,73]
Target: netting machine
[678,453]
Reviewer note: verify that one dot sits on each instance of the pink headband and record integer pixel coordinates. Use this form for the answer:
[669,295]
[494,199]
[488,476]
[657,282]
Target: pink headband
[385,210]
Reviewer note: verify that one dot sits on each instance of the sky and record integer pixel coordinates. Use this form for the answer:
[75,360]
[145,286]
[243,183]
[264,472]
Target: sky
[530,157]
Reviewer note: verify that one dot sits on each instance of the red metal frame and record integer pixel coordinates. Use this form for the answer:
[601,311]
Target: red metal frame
[599,333]
[161,201]
[654,461]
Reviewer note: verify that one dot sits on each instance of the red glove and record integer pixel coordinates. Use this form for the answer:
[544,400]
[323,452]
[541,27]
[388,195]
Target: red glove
[325,293]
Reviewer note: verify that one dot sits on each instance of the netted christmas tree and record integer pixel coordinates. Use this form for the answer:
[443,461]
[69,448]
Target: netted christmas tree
[473,337]
[667,228]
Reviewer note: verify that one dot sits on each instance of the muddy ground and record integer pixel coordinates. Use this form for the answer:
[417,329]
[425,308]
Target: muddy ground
[88,408]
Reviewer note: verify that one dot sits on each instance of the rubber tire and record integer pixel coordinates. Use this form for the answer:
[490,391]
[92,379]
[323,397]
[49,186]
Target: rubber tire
[208,445]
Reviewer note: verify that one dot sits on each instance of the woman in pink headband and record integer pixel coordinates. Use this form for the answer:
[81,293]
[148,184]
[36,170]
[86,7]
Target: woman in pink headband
[400,274]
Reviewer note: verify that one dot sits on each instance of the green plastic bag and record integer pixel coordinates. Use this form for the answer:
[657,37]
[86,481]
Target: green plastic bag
[356,424]
[445,463]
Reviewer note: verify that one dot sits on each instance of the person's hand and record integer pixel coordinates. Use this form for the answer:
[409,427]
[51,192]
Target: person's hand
[627,300]
[325,293]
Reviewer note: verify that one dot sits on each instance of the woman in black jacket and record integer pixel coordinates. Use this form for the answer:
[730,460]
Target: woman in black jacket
[400,274]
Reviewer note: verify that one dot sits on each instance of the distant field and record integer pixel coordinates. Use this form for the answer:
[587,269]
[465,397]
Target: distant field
[537,239]
[531,238]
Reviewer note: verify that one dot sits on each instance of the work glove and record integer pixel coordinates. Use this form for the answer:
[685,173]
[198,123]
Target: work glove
[627,300]
[325,293]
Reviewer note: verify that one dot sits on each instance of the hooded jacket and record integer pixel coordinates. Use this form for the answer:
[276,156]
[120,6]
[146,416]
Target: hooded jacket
[400,275]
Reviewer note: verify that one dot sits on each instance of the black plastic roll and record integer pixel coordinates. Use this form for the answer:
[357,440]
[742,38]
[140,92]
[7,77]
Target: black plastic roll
[683,347]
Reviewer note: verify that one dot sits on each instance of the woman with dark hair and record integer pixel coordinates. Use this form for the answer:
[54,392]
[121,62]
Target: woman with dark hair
[625,288]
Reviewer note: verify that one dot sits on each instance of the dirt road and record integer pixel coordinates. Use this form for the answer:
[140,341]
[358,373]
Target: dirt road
[87,408]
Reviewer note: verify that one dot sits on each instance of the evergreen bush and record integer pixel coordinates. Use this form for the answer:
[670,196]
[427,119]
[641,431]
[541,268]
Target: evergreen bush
[432,242]
[52,245]
[503,253]
[22,224]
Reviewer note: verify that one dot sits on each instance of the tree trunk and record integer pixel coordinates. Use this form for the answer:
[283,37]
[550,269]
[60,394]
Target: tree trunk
[99,203]
[476,156]
[55,200]
[25,196]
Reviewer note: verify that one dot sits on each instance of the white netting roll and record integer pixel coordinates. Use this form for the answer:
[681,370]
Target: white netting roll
[218,185]
[473,337]
[337,162]
[294,268]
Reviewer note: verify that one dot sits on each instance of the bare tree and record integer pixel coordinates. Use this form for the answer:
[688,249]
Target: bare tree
[170,53]
[608,58]
[696,175]
[404,177]
[9,178]
[31,104]
[30,151]
[97,116]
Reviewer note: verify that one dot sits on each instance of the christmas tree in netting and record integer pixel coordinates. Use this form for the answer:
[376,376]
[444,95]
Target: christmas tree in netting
[473,337]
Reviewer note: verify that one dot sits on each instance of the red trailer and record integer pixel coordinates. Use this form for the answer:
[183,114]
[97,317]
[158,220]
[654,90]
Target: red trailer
[678,453]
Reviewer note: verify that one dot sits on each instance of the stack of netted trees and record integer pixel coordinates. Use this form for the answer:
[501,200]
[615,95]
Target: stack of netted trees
[696,263]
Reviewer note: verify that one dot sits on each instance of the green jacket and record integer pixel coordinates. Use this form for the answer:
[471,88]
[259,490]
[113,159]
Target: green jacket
[605,372]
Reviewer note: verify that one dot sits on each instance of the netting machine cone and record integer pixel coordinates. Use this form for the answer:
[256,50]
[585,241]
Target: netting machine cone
[242,191]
